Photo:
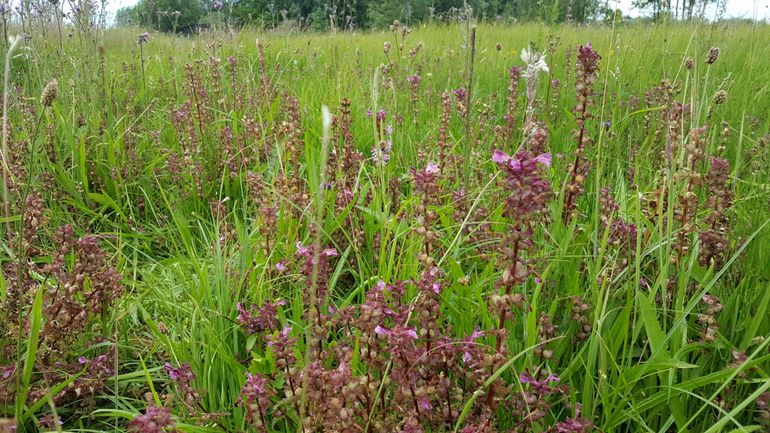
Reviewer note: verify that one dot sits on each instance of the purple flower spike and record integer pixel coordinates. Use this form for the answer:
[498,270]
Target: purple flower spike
[154,420]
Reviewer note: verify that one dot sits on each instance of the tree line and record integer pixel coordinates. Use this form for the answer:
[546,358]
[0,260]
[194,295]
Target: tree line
[170,15]
[173,15]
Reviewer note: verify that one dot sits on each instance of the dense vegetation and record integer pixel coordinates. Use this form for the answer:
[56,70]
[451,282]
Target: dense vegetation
[469,238]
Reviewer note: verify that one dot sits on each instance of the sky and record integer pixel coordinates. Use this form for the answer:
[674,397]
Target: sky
[735,8]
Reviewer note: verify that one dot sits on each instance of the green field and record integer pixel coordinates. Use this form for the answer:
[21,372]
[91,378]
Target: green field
[190,243]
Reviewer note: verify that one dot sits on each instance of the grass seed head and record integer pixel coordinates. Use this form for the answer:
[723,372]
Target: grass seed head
[49,93]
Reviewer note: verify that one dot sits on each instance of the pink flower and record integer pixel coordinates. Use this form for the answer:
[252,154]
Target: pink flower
[153,420]
[436,288]
[7,371]
[432,168]
[414,80]
[425,404]
[301,249]
[399,331]
[544,159]
[541,386]
[500,157]
[460,93]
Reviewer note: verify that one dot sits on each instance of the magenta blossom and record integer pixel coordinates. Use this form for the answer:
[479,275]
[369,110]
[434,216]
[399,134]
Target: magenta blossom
[398,331]
[542,386]
[153,420]
[436,287]
[469,344]
[425,404]
[256,320]
[7,372]
[501,157]
[308,252]
[183,373]
[379,116]
[301,249]
[414,80]
[460,93]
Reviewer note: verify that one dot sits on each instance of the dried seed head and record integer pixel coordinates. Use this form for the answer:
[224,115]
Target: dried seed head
[712,56]
[720,97]
[689,63]
[49,93]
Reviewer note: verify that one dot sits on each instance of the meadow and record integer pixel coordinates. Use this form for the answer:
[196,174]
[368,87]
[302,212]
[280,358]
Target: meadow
[407,230]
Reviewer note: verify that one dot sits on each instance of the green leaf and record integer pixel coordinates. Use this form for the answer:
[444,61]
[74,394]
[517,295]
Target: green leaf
[33,340]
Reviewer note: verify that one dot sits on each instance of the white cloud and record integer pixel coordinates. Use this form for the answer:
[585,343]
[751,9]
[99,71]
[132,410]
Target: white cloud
[114,5]
[733,8]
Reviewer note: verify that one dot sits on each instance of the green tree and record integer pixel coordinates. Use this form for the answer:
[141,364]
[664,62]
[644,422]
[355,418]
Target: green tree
[126,16]
[383,13]
[166,15]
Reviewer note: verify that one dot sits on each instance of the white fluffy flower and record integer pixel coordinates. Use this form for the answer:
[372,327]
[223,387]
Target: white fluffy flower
[535,62]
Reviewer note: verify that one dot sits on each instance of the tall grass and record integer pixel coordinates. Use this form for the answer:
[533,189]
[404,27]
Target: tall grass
[172,201]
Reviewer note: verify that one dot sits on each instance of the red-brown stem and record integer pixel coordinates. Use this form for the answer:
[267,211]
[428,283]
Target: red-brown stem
[294,393]
[567,210]
[194,89]
[261,414]
[448,394]
[411,389]
[685,213]
[507,293]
